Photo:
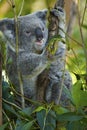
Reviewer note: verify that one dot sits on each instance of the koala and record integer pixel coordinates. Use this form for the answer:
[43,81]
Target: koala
[32,60]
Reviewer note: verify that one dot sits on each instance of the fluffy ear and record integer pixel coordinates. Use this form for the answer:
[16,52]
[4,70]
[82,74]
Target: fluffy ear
[7,27]
[42,14]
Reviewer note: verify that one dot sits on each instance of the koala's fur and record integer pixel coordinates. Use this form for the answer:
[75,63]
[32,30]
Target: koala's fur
[32,58]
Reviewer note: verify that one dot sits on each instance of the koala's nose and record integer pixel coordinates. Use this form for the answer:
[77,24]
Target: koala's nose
[39,34]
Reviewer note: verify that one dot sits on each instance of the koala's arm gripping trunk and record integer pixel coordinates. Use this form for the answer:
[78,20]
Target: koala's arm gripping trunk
[53,20]
[59,3]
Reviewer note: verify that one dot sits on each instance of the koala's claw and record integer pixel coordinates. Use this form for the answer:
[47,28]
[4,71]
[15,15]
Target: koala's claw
[58,12]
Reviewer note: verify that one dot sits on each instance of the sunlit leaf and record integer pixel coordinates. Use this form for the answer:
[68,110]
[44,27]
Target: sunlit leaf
[60,110]
[39,109]
[79,96]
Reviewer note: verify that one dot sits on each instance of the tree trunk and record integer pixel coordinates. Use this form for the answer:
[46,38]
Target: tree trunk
[43,78]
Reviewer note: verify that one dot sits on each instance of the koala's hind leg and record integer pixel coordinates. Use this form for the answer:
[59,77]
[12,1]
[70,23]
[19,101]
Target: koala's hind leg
[57,81]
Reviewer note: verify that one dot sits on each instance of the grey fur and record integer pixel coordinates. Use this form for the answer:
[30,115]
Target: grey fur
[32,58]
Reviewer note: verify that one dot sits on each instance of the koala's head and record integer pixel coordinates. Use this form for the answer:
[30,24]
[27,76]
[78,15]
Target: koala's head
[32,31]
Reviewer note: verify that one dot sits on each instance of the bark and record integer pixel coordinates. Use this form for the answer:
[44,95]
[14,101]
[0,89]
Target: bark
[72,17]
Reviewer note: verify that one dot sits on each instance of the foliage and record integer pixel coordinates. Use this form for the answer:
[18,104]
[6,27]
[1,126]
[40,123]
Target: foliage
[49,116]
[44,116]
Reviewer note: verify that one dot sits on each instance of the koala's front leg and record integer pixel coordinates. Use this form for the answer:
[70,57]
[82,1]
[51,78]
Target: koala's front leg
[60,14]
[31,64]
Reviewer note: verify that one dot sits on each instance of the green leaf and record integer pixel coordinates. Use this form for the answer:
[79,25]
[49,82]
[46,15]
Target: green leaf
[6,92]
[40,118]
[10,110]
[84,26]
[70,116]
[68,93]
[60,110]
[79,96]
[26,112]
[76,125]
[39,109]
[46,120]
[28,125]
[22,125]
[3,126]
[9,61]
[75,64]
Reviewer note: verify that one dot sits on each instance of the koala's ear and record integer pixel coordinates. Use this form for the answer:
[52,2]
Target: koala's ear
[42,14]
[7,27]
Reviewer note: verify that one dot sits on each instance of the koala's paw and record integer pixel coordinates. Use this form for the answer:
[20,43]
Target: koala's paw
[59,12]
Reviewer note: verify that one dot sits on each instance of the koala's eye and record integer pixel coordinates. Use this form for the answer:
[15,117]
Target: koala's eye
[28,33]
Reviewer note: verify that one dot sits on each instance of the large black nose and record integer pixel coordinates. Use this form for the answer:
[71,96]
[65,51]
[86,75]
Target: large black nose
[39,34]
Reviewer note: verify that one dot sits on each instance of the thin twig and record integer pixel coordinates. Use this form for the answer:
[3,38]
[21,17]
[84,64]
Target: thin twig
[71,38]
[12,104]
[9,2]
[82,39]
[84,12]
[47,111]
[27,99]
[76,62]
[21,8]
[8,120]
[17,51]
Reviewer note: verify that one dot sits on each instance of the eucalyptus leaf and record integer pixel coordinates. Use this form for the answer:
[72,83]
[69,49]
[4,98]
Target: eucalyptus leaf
[68,93]
[76,125]
[46,121]
[70,116]
[2,127]
[24,125]
[39,109]
[60,110]
[79,96]
[26,112]
[84,26]
[28,126]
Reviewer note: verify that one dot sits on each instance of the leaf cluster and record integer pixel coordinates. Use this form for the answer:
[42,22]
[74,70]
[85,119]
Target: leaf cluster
[46,116]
